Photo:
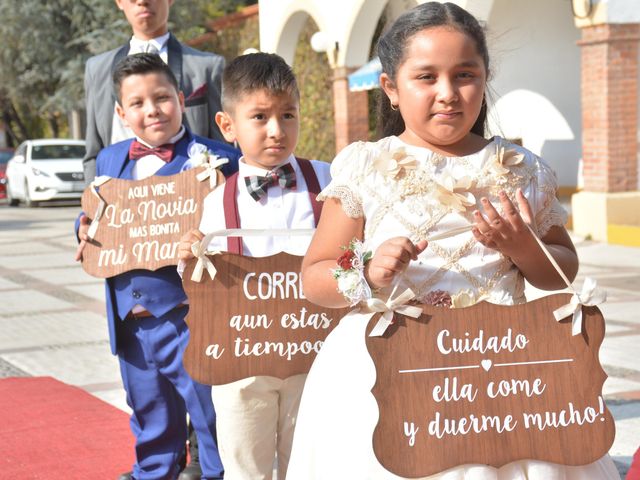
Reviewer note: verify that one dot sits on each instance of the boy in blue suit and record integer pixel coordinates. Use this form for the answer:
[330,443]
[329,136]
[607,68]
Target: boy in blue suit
[146,309]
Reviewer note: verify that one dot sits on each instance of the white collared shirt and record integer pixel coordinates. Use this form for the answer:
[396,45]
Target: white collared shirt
[119,131]
[278,209]
[159,44]
[149,164]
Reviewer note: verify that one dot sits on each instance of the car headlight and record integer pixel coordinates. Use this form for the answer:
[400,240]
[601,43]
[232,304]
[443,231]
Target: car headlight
[40,173]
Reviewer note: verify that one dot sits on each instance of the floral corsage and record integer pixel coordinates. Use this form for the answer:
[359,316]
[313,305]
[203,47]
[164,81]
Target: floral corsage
[350,272]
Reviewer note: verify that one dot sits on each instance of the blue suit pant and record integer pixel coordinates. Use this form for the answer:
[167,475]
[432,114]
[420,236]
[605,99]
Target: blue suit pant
[160,391]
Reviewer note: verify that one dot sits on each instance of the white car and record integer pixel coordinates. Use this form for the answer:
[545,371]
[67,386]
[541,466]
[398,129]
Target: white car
[46,169]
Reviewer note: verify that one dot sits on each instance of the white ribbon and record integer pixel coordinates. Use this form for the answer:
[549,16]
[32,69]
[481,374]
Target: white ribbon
[449,233]
[388,308]
[590,296]
[399,304]
[199,250]
[211,170]
[97,182]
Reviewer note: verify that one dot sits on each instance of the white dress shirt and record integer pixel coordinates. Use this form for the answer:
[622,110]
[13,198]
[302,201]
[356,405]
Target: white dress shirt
[119,131]
[279,209]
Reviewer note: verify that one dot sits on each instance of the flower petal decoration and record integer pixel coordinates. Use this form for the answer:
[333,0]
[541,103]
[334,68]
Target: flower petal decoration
[392,163]
[454,193]
[504,159]
[465,298]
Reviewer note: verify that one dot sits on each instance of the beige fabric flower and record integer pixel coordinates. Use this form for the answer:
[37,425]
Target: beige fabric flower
[464,298]
[504,159]
[393,163]
[454,193]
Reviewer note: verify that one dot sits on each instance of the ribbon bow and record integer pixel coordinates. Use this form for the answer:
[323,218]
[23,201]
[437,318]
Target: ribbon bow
[199,250]
[257,186]
[590,296]
[211,170]
[164,152]
[95,222]
[388,308]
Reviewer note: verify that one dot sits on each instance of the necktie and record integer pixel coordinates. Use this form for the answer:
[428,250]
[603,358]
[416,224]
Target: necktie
[164,152]
[257,186]
[150,48]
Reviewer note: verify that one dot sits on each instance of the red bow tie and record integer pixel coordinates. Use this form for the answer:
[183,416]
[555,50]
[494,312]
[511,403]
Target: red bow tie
[164,152]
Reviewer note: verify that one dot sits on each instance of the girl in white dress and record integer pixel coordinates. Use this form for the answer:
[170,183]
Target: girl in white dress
[434,172]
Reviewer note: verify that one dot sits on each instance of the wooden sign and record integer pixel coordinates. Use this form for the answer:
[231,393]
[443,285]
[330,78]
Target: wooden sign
[143,221]
[489,384]
[253,319]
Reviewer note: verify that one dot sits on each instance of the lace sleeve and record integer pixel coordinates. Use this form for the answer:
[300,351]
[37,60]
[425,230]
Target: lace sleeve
[347,171]
[554,215]
[547,209]
[351,201]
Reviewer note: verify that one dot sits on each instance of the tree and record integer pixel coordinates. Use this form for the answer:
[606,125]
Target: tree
[45,45]
[41,62]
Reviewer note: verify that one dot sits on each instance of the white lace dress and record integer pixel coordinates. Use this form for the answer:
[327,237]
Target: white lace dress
[418,195]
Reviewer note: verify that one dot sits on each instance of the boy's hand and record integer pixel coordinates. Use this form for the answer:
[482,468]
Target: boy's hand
[391,257]
[188,239]
[83,230]
[509,234]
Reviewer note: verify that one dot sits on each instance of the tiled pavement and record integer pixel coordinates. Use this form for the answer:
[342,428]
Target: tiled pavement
[52,315]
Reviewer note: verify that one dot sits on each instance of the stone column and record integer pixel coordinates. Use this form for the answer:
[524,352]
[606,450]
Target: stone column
[351,110]
[610,200]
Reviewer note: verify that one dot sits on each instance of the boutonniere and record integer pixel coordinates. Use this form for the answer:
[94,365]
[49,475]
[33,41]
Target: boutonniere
[393,163]
[504,159]
[201,156]
[454,193]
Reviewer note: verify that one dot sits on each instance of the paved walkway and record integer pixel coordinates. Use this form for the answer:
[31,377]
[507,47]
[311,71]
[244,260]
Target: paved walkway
[52,315]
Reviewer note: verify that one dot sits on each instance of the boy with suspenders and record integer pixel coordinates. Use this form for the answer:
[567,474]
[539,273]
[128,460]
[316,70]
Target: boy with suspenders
[272,190]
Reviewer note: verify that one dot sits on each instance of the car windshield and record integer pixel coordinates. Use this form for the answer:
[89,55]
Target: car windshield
[5,157]
[56,152]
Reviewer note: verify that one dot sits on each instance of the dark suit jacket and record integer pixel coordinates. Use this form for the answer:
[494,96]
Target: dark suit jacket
[161,290]
[199,76]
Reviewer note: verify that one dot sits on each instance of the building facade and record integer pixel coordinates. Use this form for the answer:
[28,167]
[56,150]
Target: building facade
[564,83]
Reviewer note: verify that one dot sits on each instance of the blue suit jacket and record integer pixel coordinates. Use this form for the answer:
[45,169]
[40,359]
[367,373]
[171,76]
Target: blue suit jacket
[161,290]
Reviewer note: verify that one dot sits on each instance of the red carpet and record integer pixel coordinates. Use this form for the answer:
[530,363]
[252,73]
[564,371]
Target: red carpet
[53,431]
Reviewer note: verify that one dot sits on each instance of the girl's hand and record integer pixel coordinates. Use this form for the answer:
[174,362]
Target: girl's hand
[391,257]
[509,234]
[188,239]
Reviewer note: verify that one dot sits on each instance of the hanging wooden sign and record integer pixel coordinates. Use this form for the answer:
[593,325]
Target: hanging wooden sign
[142,221]
[489,384]
[252,319]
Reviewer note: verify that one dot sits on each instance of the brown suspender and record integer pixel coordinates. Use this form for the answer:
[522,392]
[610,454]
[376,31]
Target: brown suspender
[230,201]
[231,218]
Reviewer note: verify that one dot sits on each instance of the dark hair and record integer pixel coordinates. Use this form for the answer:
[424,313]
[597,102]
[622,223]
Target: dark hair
[393,43]
[141,64]
[257,71]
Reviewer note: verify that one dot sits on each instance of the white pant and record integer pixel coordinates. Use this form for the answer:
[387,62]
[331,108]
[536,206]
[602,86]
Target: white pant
[256,417]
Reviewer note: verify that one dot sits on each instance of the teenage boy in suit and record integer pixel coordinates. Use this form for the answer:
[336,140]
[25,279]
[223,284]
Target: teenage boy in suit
[198,75]
[146,309]
[272,190]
